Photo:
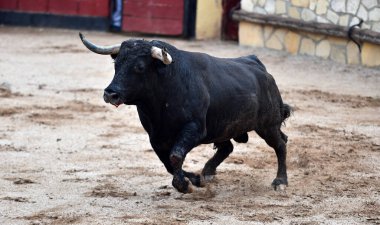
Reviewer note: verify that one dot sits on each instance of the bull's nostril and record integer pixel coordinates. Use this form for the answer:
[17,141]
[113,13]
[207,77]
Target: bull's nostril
[111,97]
[114,96]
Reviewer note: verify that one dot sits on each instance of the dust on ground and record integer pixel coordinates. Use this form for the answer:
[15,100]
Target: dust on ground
[66,157]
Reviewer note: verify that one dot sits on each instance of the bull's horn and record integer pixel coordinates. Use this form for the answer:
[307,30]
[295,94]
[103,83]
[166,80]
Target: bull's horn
[162,55]
[103,50]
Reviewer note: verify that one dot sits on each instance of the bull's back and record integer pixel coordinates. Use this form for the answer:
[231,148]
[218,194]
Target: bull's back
[234,89]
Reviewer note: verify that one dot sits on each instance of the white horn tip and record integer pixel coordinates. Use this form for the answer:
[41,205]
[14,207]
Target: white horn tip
[168,59]
[160,54]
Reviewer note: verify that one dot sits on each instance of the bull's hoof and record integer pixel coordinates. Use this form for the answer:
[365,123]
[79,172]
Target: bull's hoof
[279,184]
[182,185]
[208,178]
[208,171]
[190,189]
[196,179]
[208,174]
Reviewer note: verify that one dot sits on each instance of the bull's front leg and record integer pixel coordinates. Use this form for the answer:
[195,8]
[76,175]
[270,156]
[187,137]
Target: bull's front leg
[190,136]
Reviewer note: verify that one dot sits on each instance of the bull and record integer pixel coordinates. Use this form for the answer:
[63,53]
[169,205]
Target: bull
[185,99]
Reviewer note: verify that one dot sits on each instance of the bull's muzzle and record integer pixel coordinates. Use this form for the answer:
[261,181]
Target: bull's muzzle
[112,98]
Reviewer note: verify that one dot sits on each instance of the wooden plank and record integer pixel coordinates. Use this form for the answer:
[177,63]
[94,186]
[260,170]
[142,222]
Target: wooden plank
[67,7]
[93,8]
[154,16]
[312,27]
[144,3]
[33,6]
[8,4]
[153,11]
[152,26]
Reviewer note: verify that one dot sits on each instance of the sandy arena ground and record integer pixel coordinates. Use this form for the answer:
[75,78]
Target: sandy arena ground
[66,157]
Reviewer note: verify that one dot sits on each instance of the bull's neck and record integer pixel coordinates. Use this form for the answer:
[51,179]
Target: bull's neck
[152,105]
[160,94]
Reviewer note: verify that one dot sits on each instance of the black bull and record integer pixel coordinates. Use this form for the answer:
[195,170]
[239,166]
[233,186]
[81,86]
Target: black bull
[185,99]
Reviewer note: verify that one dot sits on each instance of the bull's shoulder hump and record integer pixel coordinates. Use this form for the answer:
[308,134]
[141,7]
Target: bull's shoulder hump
[206,60]
[252,60]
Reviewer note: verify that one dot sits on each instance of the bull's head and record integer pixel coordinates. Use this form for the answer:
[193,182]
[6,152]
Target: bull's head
[134,68]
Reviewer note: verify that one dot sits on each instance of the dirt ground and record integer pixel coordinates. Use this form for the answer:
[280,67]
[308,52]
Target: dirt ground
[66,157]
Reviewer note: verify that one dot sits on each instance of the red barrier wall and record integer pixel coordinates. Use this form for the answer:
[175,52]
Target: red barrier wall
[99,8]
[154,16]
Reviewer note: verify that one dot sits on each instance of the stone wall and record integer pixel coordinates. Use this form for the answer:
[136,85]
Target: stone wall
[339,12]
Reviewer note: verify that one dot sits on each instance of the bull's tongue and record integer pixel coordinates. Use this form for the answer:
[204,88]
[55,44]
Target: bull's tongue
[116,105]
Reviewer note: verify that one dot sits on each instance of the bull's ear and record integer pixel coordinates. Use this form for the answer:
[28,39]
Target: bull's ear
[113,56]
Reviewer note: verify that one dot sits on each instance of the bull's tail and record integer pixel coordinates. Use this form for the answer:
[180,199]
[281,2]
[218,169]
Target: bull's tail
[286,111]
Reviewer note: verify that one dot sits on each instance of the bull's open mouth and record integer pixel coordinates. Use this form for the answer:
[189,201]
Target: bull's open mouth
[116,104]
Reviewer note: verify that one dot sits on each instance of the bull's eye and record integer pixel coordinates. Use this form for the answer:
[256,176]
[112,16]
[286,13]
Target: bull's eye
[139,68]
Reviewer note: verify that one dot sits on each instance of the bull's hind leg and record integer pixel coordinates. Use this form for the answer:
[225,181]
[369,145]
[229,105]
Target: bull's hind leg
[274,137]
[224,149]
